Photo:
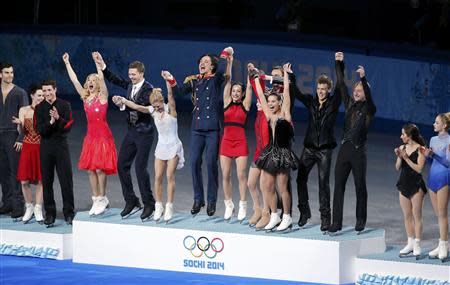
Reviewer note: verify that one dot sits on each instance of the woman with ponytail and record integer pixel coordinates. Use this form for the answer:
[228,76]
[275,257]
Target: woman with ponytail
[411,187]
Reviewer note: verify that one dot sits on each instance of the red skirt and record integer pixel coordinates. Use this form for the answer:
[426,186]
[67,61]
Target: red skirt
[233,148]
[99,153]
[29,163]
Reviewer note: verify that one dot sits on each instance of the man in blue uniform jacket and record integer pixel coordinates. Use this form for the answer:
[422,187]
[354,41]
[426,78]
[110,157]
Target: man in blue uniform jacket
[206,94]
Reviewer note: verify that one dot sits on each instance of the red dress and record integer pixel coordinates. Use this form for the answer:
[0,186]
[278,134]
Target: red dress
[99,150]
[30,162]
[261,133]
[234,142]
[261,125]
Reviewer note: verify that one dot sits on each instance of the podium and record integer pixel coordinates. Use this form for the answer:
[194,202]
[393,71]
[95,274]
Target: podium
[211,245]
[35,240]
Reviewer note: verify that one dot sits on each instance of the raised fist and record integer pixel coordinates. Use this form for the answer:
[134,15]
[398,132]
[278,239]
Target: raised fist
[339,56]
[227,52]
[361,71]
[166,75]
[65,58]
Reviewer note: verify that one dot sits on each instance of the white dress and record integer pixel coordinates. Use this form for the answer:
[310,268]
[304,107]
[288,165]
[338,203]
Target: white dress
[169,145]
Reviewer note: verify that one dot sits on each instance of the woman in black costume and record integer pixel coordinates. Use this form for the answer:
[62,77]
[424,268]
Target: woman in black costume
[277,159]
[411,187]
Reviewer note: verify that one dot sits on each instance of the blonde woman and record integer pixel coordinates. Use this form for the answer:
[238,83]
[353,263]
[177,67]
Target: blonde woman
[169,154]
[98,155]
[439,179]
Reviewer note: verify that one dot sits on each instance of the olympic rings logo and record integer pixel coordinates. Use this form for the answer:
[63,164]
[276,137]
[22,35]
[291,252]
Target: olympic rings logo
[202,246]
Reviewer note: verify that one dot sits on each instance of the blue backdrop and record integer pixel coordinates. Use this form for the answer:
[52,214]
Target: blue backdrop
[402,89]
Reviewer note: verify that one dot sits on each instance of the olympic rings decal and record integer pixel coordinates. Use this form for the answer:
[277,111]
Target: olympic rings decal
[202,246]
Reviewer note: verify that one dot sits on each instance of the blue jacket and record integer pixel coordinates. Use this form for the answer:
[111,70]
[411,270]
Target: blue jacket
[207,96]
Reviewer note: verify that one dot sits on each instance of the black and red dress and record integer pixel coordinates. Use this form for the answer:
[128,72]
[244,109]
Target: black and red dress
[234,141]
[30,163]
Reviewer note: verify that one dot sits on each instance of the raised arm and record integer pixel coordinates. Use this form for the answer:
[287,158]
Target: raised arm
[170,99]
[286,106]
[101,78]
[253,75]
[370,104]
[295,92]
[341,88]
[111,77]
[248,95]
[227,89]
[72,75]
[262,98]
[339,69]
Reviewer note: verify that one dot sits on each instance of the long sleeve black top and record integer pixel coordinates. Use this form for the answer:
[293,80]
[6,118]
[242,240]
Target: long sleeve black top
[59,129]
[142,122]
[16,99]
[321,121]
[358,115]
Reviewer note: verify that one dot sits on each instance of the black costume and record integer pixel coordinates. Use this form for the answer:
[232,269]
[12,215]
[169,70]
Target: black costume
[55,154]
[318,149]
[277,156]
[12,197]
[410,182]
[352,155]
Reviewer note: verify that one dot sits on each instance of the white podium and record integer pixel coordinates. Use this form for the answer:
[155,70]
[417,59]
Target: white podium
[211,245]
[35,240]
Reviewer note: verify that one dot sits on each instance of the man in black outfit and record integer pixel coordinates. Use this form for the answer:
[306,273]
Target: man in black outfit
[359,112]
[319,143]
[53,121]
[138,140]
[13,98]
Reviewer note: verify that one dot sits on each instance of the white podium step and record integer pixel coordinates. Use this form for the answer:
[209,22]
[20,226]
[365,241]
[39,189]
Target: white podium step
[35,240]
[390,264]
[211,245]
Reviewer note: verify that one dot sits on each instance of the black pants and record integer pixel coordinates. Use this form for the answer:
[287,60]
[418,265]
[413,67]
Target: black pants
[9,158]
[55,155]
[349,159]
[135,145]
[308,159]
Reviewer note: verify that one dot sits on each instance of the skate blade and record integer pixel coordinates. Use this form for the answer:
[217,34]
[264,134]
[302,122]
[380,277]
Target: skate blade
[359,232]
[134,211]
[432,257]
[40,222]
[28,221]
[406,255]
[50,225]
[288,230]
[444,260]
[16,220]
[419,257]
[252,225]
[324,233]
[101,214]
[335,234]
[147,218]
